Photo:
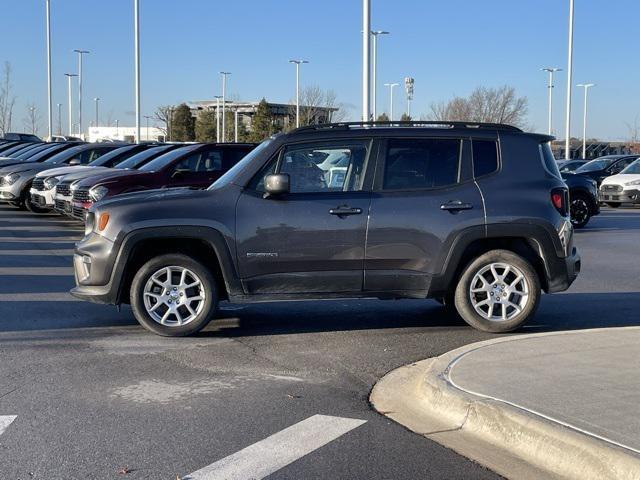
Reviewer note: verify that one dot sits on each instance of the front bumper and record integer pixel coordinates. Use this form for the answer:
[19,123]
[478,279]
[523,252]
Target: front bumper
[93,264]
[9,193]
[625,196]
[42,198]
[79,209]
[62,204]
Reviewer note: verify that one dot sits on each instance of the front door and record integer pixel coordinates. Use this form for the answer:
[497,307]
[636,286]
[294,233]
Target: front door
[312,239]
[424,195]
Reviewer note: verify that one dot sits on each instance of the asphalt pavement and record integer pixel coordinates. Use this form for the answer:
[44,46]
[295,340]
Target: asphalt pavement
[87,393]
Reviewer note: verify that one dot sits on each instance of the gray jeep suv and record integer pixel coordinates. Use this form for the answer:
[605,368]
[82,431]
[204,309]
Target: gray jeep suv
[474,215]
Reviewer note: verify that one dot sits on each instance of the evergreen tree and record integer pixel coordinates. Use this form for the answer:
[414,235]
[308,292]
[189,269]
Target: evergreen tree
[262,124]
[183,128]
[206,126]
[405,117]
[383,117]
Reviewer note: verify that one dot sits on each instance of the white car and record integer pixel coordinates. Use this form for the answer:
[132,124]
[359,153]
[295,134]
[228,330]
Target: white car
[623,187]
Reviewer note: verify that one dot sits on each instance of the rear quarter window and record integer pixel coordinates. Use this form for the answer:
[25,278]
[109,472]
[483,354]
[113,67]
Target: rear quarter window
[485,157]
[548,160]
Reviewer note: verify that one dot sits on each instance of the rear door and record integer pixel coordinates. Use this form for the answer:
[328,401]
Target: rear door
[424,195]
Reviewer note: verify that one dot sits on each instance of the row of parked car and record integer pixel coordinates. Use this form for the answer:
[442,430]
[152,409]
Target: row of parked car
[613,180]
[475,216]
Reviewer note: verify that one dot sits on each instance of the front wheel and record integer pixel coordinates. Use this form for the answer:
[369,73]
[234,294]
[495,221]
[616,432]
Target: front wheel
[580,211]
[498,292]
[173,295]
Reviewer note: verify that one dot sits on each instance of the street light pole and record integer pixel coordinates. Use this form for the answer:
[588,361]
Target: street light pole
[49,95]
[136,22]
[551,86]
[586,87]
[218,97]
[224,99]
[391,87]
[567,145]
[147,117]
[59,118]
[97,99]
[366,60]
[80,54]
[297,64]
[117,128]
[235,136]
[374,70]
[69,77]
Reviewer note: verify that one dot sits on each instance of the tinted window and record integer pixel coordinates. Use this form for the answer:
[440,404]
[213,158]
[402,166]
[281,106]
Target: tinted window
[485,157]
[240,166]
[165,159]
[634,168]
[142,157]
[417,164]
[622,164]
[32,151]
[204,161]
[111,157]
[595,165]
[549,160]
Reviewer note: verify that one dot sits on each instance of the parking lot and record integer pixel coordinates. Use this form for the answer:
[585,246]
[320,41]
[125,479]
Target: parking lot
[96,396]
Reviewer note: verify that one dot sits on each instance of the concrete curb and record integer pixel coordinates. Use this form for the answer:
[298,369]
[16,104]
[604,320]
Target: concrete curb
[511,441]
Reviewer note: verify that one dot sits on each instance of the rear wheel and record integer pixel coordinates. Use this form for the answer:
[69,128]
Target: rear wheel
[614,204]
[580,211]
[173,295]
[498,292]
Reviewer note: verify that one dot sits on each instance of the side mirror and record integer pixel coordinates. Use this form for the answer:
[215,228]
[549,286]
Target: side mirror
[74,162]
[276,184]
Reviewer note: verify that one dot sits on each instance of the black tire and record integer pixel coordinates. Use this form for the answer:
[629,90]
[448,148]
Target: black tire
[580,209]
[463,293]
[614,204]
[143,275]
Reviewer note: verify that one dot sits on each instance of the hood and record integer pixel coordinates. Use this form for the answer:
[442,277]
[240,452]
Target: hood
[156,195]
[6,162]
[57,171]
[109,175]
[29,167]
[85,173]
[621,179]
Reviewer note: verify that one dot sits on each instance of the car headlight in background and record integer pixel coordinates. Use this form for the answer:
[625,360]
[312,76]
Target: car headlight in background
[51,182]
[97,193]
[635,182]
[11,178]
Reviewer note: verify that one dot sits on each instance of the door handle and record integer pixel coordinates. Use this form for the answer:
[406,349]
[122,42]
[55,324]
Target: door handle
[345,211]
[455,206]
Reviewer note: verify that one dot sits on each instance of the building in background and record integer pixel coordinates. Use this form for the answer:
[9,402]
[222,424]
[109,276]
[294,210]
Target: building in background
[125,134]
[283,113]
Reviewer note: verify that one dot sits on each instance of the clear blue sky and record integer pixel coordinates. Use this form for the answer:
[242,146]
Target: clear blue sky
[448,47]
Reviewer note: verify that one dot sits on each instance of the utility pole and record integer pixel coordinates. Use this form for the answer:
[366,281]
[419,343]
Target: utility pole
[136,23]
[80,54]
[69,77]
[97,99]
[374,88]
[218,97]
[224,99]
[117,128]
[49,95]
[408,87]
[59,118]
[391,87]
[147,118]
[551,86]
[586,87]
[235,114]
[366,60]
[297,64]
[567,144]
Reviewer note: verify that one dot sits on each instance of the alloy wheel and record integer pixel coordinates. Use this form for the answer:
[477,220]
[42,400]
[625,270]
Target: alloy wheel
[499,292]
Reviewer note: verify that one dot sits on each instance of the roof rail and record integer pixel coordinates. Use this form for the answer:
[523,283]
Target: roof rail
[426,123]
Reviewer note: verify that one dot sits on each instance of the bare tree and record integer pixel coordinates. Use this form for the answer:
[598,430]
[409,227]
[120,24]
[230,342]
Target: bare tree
[162,115]
[634,135]
[492,105]
[7,99]
[314,103]
[32,118]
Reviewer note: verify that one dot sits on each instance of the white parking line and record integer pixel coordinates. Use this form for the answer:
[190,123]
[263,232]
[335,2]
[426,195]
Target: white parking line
[36,271]
[5,421]
[279,450]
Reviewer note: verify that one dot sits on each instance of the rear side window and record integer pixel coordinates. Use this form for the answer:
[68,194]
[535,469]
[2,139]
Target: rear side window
[485,157]
[421,163]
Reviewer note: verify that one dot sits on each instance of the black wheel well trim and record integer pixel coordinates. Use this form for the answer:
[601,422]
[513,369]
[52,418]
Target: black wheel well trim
[211,238]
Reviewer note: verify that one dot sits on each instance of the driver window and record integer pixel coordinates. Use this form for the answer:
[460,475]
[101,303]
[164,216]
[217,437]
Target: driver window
[189,164]
[325,168]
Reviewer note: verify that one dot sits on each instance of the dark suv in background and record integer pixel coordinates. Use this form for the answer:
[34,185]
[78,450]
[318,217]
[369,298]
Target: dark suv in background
[475,215]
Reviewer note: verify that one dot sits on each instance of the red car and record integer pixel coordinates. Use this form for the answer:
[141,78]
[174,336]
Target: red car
[197,165]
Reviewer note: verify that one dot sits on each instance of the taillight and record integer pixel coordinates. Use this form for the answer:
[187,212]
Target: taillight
[560,200]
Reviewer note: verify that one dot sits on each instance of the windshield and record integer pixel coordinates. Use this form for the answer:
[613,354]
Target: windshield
[597,164]
[33,151]
[112,157]
[634,168]
[47,151]
[64,156]
[17,150]
[238,167]
[164,160]
[141,158]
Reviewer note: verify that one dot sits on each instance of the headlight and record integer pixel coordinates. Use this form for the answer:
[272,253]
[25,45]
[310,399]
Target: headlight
[97,193]
[51,182]
[11,178]
[635,182]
